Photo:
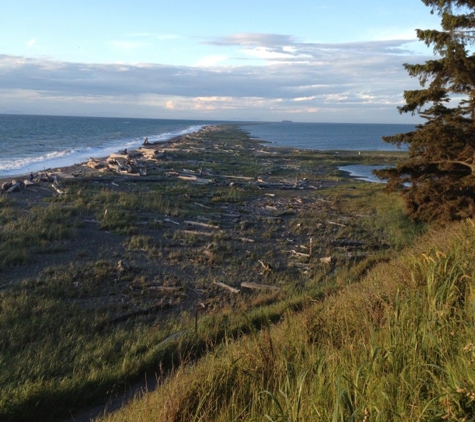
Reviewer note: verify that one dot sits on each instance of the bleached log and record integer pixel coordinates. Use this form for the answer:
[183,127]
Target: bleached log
[121,156]
[336,224]
[305,255]
[196,223]
[113,167]
[267,267]
[202,181]
[171,221]
[150,154]
[126,173]
[165,289]
[202,206]
[198,233]
[238,177]
[14,188]
[94,164]
[58,190]
[225,286]
[246,240]
[255,286]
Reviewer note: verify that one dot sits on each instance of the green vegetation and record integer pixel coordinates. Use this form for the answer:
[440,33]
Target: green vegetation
[38,230]
[437,179]
[397,345]
[122,274]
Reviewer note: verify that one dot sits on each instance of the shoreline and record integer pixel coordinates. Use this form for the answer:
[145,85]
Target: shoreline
[74,146]
[83,169]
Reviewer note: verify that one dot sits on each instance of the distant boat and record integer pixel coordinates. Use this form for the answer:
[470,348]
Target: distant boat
[286,121]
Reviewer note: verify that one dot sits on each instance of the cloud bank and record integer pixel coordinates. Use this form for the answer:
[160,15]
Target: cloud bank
[253,76]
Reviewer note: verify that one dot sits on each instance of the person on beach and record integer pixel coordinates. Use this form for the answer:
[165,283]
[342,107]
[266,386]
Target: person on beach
[145,141]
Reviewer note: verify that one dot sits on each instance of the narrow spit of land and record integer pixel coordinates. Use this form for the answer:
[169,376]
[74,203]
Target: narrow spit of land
[204,226]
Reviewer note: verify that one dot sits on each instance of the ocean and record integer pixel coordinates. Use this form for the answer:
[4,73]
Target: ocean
[35,143]
[328,136]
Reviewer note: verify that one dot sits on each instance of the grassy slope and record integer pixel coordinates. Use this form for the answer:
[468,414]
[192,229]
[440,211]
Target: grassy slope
[75,332]
[398,345]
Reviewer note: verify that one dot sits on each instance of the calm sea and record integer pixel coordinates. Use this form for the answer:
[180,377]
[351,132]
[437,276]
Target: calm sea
[328,136]
[35,143]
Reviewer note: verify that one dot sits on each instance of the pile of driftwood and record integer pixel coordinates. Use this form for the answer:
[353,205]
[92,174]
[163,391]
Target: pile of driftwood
[126,163]
[39,179]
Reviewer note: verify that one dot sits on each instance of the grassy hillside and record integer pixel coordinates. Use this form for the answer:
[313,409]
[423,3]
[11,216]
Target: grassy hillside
[123,279]
[397,345]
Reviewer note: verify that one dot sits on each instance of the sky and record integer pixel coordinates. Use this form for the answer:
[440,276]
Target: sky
[259,60]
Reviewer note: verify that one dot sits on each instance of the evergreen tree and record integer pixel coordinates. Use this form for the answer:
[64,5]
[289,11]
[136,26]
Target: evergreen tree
[438,178]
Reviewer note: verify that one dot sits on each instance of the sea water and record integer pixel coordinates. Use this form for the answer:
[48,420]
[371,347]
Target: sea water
[328,136]
[35,143]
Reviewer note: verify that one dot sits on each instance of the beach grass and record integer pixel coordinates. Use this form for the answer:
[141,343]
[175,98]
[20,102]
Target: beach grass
[396,345]
[119,277]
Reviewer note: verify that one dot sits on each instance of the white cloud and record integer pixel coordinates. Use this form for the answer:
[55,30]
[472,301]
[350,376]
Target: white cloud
[293,78]
[253,39]
[31,42]
[210,61]
[305,98]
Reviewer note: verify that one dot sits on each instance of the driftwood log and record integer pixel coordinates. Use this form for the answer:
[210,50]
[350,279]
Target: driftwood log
[199,224]
[225,286]
[198,233]
[14,188]
[305,255]
[266,266]
[57,189]
[255,286]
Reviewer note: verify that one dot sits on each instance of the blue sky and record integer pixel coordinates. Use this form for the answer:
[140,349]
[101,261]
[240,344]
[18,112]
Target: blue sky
[315,61]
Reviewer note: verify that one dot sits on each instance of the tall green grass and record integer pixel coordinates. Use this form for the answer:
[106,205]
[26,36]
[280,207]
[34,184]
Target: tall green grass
[399,345]
[35,230]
